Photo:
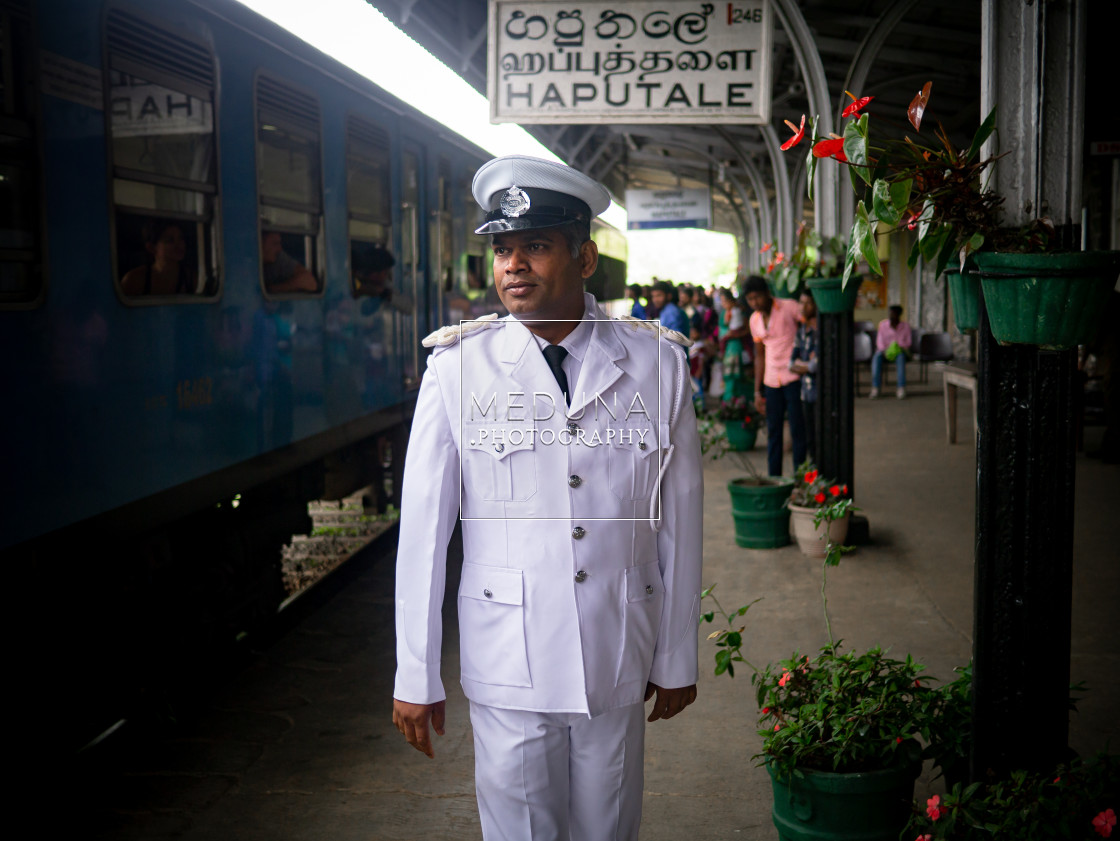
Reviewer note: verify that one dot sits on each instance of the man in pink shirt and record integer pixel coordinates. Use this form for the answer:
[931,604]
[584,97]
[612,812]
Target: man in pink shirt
[777,389]
[892,342]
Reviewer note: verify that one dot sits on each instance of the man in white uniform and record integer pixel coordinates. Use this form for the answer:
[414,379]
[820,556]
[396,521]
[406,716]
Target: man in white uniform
[567,442]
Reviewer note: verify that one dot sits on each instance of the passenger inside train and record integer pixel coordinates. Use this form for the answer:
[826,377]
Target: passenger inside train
[282,272]
[165,269]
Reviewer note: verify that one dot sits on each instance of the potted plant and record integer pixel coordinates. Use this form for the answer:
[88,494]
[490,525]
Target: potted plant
[741,421]
[1033,294]
[813,257]
[1077,801]
[839,731]
[757,502]
[814,502]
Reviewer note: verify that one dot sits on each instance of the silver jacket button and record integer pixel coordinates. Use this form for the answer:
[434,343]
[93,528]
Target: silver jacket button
[572,427]
[578,532]
[488,594]
[581,576]
[649,590]
[574,481]
[641,445]
[499,447]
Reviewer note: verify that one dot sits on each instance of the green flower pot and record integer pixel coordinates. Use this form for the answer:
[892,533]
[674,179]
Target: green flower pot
[760,514]
[739,437]
[824,806]
[964,292]
[1051,300]
[830,297]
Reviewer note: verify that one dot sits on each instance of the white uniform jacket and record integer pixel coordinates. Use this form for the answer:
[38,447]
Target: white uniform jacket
[571,598]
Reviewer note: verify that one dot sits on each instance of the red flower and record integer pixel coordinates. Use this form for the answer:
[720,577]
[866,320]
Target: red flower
[819,498]
[811,476]
[926,837]
[780,256]
[831,148]
[917,683]
[747,419]
[834,490]
[918,106]
[857,104]
[778,726]
[785,678]
[798,134]
[844,489]
[765,247]
[765,710]
[1104,822]
[898,740]
[933,807]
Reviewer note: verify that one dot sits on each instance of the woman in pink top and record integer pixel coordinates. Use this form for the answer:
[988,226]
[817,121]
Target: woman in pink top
[892,331]
[777,389]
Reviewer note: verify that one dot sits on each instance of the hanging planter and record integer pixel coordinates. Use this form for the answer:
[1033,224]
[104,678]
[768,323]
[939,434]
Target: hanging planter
[759,510]
[826,806]
[964,293]
[830,297]
[1051,300]
[740,436]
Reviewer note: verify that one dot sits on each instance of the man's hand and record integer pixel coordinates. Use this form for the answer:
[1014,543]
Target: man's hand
[412,720]
[760,401]
[669,702]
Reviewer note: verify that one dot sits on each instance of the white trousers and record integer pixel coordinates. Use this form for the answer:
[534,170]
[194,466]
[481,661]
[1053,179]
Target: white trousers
[559,776]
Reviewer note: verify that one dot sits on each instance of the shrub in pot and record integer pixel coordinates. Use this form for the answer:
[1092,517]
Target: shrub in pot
[813,527]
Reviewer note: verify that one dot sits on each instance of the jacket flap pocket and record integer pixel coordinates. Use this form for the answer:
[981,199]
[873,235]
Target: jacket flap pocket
[640,439]
[499,440]
[491,584]
[644,582]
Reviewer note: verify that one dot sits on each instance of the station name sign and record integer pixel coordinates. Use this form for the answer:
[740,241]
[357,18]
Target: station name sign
[676,61]
[647,209]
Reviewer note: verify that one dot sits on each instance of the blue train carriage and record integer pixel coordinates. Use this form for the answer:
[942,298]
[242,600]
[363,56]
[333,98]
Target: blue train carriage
[219,252]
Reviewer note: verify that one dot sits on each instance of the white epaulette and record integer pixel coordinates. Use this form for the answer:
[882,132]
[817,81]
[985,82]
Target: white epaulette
[452,333]
[665,333]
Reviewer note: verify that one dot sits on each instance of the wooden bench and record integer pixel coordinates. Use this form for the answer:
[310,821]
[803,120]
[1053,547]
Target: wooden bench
[958,375]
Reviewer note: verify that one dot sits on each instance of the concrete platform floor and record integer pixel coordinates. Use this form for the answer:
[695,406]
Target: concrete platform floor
[300,744]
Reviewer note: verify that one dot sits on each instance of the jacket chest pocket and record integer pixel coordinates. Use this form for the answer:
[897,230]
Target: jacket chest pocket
[492,626]
[632,461]
[500,463]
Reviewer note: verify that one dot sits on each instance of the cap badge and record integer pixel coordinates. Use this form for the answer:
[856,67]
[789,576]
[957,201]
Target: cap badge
[515,202]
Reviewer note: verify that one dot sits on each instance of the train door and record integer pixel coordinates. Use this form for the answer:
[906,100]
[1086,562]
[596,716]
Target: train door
[441,253]
[412,270]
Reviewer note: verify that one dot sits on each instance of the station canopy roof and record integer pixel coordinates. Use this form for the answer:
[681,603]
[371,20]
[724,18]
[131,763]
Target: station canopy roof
[938,42]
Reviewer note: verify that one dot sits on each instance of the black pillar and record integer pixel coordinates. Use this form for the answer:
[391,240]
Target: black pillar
[835,398]
[1024,555]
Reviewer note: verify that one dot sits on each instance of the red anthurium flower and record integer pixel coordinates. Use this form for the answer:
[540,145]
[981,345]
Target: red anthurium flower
[845,489]
[833,147]
[834,490]
[933,807]
[798,134]
[780,256]
[858,104]
[918,106]
[766,246]
[811,476]
[819,498]
[912,222]
[1104,822]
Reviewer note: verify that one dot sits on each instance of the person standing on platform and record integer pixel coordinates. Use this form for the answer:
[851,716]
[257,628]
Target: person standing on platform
[580,589]
[664,299]
[892,343]
[803,361]
[732,330]
[635,295]
[777,389]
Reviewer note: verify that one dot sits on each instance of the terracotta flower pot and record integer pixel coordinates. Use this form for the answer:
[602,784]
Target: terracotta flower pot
[810,539]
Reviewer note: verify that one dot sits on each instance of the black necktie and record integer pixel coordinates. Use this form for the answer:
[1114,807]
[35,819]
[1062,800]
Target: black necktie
[554,356]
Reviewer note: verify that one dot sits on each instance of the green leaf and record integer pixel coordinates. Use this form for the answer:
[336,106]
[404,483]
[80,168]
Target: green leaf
[982,134]
[948,250]
[709,616]
[867,241]
[931,243]
[734,639]
[883,204]
[915,252]
[705,593]
[811,159]
[855,150]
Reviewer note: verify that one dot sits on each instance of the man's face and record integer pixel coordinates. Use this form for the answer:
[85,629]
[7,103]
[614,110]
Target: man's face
[657,298]
[536,275]
[271,245]
[758,301]
[896,316]
[808,306]
[684,298]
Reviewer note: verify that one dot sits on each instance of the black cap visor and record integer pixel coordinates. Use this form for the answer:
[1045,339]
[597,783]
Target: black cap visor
[547,209]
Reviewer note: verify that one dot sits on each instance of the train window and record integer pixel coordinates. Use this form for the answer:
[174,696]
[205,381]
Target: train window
[161,124]
[369,208]
[21,265]
[289,187]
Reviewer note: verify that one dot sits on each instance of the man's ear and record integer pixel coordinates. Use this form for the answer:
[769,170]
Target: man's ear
[588,259]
